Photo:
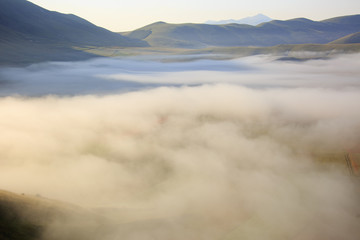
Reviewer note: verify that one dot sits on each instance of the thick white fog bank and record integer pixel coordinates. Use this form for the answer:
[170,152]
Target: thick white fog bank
[206,162]
[105,75]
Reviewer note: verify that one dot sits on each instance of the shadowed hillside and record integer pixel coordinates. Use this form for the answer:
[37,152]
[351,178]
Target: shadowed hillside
[21,20]
[29,33]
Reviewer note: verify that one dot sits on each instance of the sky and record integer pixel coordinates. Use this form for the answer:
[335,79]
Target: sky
[120,16]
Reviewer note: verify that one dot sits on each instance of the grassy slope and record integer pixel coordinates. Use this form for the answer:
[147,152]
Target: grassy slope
[23,53]
[13,227]
[15,224]
[349,39]
[290,50]
[283,49]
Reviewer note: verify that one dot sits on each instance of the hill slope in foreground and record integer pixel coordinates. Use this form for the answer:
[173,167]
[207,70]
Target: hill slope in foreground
[29,33]
[26,217]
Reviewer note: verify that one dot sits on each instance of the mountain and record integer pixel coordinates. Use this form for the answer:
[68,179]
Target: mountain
[31,33]
[23,20]
[348,39]
[254,20]
[294,31]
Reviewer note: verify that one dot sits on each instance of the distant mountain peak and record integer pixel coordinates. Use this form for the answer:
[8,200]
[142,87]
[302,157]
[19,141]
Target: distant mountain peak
[253,20]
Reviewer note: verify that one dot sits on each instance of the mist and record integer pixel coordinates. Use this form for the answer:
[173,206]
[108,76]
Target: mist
[103,76]
[228,153]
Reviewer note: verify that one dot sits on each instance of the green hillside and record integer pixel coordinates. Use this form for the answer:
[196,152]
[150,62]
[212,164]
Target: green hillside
[348,39]
[292,52]
[294,31]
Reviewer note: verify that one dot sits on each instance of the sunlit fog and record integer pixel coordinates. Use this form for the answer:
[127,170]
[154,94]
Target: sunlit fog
[158,148]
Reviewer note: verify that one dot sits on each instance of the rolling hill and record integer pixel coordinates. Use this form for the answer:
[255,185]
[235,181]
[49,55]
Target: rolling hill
[348,39]
[29,33]
[294,31]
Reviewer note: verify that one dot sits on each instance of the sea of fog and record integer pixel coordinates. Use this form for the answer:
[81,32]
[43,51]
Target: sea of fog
[186,150]
[108,75]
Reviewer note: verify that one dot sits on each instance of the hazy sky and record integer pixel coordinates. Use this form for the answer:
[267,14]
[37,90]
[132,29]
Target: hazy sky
[119,15]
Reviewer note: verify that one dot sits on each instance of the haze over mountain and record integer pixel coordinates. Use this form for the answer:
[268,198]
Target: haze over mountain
[29,31]
[294,31]
[253,20]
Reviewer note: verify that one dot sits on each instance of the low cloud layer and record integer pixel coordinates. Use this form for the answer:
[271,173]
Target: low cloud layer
[259,72]
[209,162]
[109,76]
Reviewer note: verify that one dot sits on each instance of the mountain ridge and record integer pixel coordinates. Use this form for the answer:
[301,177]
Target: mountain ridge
[30,34]
[31,22]
[293,31]
[252,20]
